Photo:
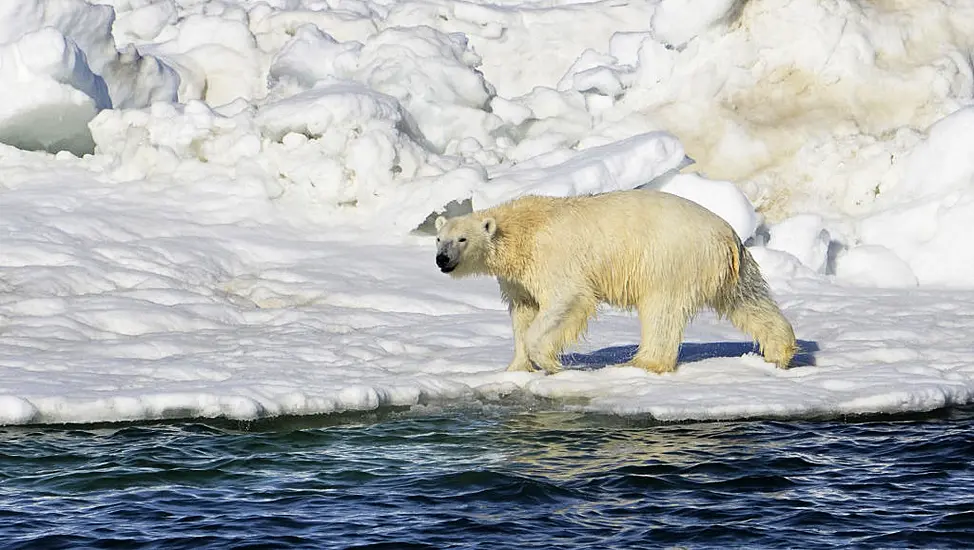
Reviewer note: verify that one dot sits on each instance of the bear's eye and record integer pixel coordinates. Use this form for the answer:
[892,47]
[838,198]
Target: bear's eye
[462,239]
[437,239]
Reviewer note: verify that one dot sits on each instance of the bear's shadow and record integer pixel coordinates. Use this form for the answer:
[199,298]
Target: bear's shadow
[689,352]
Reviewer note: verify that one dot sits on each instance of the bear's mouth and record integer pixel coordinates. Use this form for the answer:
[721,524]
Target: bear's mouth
[447,268]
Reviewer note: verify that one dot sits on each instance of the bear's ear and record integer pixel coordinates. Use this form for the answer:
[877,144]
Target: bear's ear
[490,226]
[440,221]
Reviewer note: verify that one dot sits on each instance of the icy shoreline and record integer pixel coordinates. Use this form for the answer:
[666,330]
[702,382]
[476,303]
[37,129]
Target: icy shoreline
[108,316]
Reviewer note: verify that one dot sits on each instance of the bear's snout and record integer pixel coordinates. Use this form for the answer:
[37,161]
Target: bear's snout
[444,263]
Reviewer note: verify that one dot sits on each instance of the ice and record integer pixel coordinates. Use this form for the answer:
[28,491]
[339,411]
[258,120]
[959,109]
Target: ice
[86,25]
[216,208]
[133,78]
[59,67]
[48,93]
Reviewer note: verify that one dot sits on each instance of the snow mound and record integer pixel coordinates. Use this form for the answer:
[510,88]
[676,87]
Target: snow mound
[676,22]
[544,40]
[873,266]
[14,410]
[312,56]
[433,75]
[170,138]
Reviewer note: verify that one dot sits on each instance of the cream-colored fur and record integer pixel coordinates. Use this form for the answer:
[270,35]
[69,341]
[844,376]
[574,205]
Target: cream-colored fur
[556,259]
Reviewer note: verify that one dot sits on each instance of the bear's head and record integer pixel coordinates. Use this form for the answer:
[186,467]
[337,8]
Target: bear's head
[462,244]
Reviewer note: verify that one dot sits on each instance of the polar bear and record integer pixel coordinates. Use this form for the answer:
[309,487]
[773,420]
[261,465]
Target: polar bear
[557,259]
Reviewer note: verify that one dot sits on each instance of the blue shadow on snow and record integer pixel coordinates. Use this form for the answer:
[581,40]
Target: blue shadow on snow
[689,352]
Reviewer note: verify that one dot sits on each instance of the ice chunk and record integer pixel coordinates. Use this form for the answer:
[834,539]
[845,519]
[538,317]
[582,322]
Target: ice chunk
[48,93]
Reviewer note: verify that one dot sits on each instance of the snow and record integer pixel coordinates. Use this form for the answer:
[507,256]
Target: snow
[216,208]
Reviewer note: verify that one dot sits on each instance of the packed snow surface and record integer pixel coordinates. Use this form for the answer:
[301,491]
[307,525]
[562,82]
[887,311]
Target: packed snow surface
[217,208]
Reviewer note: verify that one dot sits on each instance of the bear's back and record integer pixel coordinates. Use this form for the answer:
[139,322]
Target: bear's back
[636,210]
[612,240]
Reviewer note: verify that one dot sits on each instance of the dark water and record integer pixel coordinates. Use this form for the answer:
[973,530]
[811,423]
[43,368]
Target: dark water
[499,478]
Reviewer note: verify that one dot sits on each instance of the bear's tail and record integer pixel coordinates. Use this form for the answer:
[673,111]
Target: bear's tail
[746,300]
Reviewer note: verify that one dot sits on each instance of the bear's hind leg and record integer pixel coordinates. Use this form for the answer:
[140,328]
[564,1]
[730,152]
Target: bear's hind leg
[661,326]
[522,314]
[764,322]
[749,306]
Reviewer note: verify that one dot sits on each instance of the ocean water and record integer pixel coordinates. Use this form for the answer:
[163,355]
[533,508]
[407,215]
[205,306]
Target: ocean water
[496,477]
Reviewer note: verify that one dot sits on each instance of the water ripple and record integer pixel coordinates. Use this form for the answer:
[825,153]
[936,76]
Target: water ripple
[492,479]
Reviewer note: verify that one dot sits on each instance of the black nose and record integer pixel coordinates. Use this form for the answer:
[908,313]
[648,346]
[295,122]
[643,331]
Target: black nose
[442,260]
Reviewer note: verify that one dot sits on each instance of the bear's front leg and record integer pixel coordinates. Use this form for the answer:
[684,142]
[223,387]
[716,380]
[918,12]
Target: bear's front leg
[541,350]
[556,326]
[546,358]
[522,315]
